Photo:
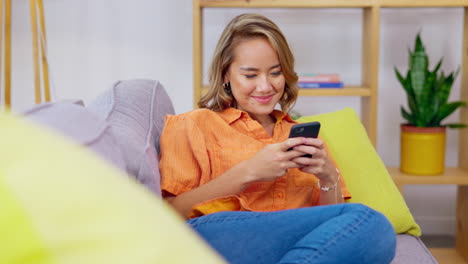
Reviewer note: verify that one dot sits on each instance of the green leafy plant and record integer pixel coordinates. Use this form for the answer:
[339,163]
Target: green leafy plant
[427,91]
[295,114]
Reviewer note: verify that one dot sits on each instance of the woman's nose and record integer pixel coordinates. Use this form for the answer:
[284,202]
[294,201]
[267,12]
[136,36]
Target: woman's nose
[264,84]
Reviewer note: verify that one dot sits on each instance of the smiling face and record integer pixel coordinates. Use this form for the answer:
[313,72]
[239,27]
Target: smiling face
[257,82]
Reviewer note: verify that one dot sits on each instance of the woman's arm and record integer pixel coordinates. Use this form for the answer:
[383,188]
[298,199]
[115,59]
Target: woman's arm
[330,191]
[231,182]
[321,165]
[268,164]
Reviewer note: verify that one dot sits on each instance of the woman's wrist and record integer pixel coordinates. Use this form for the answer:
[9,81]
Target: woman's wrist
[245,174]
[331,182]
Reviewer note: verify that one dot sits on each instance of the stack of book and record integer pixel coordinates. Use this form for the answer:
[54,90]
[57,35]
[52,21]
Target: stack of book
[320,81]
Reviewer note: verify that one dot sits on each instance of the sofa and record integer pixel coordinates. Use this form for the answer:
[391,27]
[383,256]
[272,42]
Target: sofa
[122,127]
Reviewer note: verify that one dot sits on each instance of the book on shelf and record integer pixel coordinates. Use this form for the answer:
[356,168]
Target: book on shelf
[319,78]
[306,85]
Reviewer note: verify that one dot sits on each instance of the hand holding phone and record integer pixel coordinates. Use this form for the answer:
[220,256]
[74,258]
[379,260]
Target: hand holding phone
[307,130]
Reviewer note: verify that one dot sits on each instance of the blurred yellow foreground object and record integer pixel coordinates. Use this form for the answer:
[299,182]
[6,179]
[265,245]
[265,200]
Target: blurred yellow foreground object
[59,203]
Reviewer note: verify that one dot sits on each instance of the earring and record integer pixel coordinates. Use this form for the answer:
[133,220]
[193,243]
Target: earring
[227,88]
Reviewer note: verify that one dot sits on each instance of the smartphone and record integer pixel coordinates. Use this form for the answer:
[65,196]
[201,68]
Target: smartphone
[308,130]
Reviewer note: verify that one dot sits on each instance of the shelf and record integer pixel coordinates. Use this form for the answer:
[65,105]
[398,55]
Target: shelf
[423,3]
[447,256]
[288,3]
[347,91]
[451,176]
[332,3]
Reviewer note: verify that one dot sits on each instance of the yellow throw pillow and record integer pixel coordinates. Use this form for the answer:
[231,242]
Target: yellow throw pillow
[60,203]
[366,176]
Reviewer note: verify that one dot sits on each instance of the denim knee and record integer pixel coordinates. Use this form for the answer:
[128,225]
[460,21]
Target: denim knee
[383,236]
[375,217]
[388,232]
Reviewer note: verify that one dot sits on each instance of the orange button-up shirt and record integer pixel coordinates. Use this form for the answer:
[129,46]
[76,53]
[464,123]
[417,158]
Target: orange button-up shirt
[200,145]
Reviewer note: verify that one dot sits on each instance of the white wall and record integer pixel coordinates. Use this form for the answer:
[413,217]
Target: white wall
[94,43]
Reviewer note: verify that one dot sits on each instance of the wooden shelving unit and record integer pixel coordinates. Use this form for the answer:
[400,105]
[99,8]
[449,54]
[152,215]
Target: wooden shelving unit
[455,176]
[287,3]
[421,3]
[370,42]
[346,91]
[368,90]
[447,256]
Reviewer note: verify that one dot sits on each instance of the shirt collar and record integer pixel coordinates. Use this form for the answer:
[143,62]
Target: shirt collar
[232,114]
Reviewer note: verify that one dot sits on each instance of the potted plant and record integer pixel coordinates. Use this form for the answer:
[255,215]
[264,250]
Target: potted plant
[423,137]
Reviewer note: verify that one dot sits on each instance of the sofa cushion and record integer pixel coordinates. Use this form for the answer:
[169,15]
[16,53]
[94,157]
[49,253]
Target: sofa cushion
[60,203]
[76,122]
[136,109]
[411,250]
[365,174]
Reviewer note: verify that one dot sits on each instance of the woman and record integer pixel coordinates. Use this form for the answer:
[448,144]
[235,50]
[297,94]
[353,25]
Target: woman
[247,189]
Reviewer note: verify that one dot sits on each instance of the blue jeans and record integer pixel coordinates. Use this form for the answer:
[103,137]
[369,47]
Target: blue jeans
[342,233]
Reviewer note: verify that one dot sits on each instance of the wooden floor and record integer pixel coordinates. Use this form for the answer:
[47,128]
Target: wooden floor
[447,256]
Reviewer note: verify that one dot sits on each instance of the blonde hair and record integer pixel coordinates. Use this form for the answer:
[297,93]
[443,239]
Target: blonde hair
[243,27]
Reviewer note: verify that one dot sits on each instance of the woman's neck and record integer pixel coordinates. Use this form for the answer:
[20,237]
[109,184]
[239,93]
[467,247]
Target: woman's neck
[267,121]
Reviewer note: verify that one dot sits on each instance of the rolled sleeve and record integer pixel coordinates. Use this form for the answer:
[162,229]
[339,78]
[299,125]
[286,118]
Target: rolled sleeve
[184,160]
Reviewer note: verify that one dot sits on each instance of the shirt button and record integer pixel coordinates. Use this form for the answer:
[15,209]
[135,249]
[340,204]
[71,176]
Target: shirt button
[280,195]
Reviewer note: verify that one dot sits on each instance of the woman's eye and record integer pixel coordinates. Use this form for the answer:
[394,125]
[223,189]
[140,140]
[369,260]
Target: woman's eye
[250,76]
[276,73]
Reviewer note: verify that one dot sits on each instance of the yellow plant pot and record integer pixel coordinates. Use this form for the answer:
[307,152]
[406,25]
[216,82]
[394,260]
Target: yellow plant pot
[422,150]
